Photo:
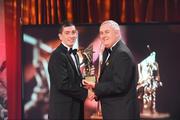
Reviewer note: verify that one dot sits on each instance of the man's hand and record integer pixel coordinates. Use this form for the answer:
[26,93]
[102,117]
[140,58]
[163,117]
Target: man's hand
[88,85]
[91,95]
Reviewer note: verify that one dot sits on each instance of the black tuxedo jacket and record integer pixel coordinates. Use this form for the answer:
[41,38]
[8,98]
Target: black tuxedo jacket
[117,85]
[66,92]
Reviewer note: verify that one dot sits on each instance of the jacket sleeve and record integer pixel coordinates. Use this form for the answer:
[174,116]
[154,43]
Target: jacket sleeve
[120,78]
[61,79]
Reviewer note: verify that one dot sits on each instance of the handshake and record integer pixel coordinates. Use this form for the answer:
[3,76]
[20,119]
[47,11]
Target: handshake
[89,85]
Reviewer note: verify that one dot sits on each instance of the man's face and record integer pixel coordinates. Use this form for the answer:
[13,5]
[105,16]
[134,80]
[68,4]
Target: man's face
[69,35]
[108,35]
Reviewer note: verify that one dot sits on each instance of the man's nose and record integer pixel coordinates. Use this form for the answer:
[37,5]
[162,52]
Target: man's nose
[102,36]
[72,35]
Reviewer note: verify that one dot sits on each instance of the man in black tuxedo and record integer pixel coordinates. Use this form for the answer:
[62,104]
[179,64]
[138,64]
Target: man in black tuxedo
[67,94]
[116,88]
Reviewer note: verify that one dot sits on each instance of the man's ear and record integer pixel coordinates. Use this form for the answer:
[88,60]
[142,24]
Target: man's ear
[60,36]
[77,33]
[118,33]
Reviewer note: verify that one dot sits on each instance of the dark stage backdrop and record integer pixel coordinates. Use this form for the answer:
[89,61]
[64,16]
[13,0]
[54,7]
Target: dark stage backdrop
[39,41]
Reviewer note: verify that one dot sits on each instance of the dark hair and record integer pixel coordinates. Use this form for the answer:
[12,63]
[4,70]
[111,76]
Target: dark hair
[65,24]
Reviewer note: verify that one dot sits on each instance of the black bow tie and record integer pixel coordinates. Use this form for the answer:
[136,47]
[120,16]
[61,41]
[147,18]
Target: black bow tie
[74,51]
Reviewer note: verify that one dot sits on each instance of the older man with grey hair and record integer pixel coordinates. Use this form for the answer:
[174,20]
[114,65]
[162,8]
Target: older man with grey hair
[116,88]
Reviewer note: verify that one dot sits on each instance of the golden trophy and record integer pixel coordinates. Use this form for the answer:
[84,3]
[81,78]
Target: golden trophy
[89,75]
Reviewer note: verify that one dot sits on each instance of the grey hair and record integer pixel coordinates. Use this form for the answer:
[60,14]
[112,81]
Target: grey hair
[112,23]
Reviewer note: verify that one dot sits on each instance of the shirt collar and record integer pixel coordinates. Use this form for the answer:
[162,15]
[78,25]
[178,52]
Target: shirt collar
[68,48]
[114,44]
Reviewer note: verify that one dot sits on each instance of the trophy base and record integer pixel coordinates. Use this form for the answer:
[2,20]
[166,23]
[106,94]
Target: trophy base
[97,116]
[156,115]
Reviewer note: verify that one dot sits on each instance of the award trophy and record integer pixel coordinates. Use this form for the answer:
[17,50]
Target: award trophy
[89,74]
[149,81]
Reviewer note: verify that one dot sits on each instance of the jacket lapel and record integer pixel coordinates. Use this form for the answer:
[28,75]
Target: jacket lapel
[71,60]
[65,51]
[78,65]
[105,64]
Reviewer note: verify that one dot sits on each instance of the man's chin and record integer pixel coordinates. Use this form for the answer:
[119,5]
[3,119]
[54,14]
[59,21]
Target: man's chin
[107,46]
[71,44]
